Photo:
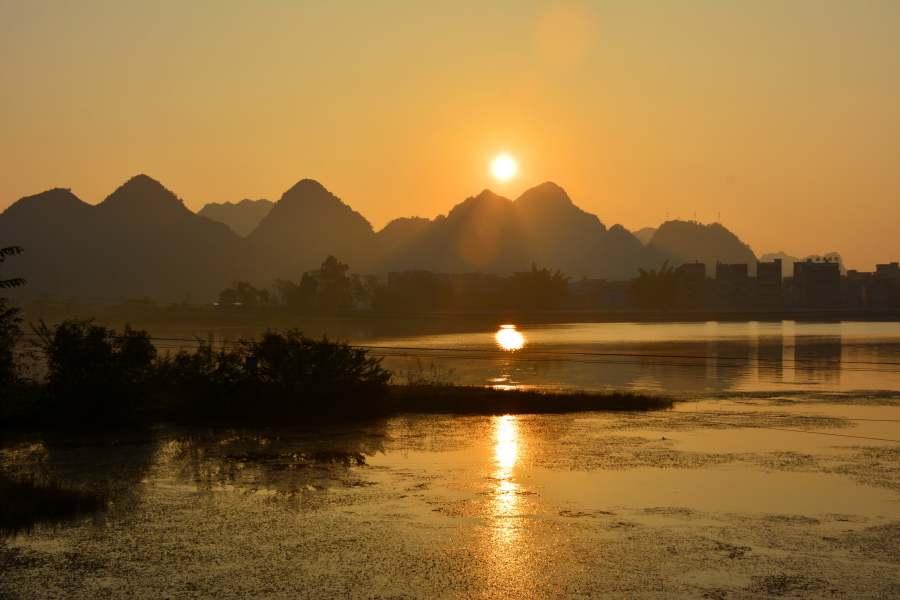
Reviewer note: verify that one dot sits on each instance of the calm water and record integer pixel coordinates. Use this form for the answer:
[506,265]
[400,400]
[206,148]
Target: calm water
[680,356]
[739,498]
[670,356]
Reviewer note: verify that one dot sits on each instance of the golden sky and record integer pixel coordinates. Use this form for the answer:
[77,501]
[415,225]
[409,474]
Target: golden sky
[782,116]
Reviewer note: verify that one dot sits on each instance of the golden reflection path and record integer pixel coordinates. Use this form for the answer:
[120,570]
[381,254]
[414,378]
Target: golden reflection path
[506,549]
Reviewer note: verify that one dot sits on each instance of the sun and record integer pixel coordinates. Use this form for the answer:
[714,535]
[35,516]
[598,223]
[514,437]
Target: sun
[503,168]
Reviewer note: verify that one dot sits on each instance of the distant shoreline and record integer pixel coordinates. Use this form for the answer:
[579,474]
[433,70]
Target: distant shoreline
[207,317]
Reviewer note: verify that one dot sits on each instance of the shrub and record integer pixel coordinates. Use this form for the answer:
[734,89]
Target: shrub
[291,364]
[93,373]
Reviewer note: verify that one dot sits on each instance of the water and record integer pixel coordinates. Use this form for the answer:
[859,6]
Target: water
[687,357]
[744,497]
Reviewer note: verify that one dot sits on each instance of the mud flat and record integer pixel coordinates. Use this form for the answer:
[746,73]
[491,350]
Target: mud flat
[728,496]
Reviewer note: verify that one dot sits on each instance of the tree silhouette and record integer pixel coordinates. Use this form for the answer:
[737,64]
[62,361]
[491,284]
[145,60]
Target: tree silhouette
[537,289]
[335,287]
[10,334]
[93,373]
[655,290]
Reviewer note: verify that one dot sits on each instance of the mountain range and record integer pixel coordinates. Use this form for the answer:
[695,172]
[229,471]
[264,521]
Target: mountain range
[242,217]
[143,241]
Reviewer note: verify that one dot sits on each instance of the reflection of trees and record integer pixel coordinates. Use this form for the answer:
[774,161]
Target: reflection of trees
[282,463]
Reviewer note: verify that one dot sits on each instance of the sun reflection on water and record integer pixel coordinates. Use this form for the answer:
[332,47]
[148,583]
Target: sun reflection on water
[509,339]
[506,453]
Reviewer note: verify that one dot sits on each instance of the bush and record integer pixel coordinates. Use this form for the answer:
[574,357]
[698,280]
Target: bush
[93,373]
[291,365]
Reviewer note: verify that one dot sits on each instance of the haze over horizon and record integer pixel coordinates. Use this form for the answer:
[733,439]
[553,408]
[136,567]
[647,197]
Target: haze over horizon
[781,117]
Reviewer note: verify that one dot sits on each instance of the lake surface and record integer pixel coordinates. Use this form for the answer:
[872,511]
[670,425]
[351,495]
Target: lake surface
[684,357]
[737,495]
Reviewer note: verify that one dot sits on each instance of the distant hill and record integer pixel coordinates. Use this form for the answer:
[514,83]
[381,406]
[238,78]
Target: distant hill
[140,241]
[242,217]
[143,241]
[787,261]
[645,234]
[306,225]
[483,233]
[561,233]
[681,242]
[492,234]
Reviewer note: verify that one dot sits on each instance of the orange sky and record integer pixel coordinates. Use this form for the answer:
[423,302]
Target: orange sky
[783,116]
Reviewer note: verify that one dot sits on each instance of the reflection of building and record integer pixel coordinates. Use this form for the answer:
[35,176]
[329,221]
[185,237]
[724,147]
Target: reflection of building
[817,285]
[690,286]
[872,291]
[731,286]
[768,285]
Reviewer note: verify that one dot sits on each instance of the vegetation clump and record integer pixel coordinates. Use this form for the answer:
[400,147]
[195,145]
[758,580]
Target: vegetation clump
[24,502]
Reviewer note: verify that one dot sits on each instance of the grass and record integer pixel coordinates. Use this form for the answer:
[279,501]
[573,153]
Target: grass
[24,502]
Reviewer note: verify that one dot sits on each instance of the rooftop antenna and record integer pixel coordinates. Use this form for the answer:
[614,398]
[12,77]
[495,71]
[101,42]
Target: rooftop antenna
[720,219]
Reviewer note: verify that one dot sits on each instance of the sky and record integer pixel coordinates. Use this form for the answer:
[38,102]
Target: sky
[782,117]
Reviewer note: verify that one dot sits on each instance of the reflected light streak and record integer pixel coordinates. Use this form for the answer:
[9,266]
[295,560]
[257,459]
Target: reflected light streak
[506,452]
[509,339]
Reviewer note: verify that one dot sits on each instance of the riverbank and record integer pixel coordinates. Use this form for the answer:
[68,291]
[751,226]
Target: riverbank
[22,408]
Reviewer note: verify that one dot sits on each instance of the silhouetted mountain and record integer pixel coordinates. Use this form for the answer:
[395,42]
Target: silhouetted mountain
[242,217]
[645,234]
[681,242]
[562,233]
[400,234]
[140,241]
[307,224]
[787,261]
[491,234]
[483,233]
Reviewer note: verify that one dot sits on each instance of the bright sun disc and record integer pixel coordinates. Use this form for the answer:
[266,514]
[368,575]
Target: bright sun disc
[503,168]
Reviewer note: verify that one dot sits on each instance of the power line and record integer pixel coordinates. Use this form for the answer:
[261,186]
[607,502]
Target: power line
[511,355]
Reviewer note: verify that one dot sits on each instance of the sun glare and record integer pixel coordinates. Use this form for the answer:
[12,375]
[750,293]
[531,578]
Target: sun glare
[503,168]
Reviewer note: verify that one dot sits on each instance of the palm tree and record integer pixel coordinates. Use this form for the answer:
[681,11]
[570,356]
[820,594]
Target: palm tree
[537,289]
[655,290]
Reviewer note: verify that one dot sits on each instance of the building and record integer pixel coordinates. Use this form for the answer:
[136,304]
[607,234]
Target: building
[731,286]
[690,286]
[768,285]
[879,290]
[817,285]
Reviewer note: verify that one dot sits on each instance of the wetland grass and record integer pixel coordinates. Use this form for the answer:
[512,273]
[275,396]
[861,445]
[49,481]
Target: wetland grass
[466,399]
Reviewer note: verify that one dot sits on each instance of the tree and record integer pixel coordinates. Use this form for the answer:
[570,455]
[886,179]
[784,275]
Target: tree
[93,373]
[243,294]
[10,334]
[537,289]
[289,363]
[655,290]
[335,288]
